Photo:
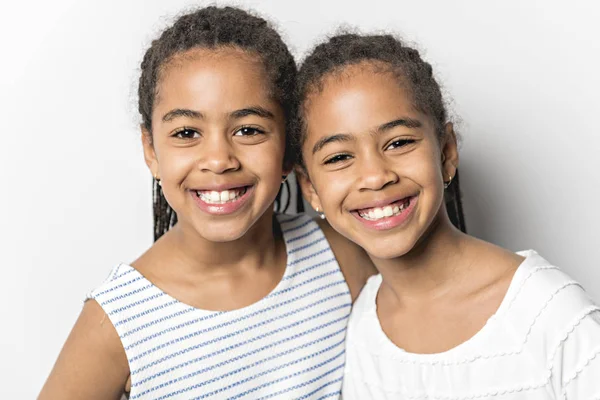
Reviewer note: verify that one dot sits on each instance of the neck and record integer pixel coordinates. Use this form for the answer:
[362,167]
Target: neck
[257,247]
[430,268]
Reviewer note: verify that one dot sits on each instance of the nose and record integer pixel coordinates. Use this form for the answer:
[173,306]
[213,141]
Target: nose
[218,155]
[376,174]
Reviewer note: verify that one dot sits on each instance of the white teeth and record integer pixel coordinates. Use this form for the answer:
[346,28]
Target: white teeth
[214,197]
[378,212]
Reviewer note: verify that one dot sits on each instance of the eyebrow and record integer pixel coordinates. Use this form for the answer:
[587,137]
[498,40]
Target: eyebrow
[254,110]
[182,112]
[237,114]
[345,137]
[406,122]
[339,137]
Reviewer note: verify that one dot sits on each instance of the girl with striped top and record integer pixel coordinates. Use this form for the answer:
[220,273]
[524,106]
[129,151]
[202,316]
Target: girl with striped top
[449,316]
[232,301]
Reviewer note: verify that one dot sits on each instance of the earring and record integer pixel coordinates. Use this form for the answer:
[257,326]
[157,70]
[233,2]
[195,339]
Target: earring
[321,214]
[157,179]
[446,184]
[283,178]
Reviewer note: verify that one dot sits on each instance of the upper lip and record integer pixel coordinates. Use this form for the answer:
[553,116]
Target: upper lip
[381,202]
[221,187]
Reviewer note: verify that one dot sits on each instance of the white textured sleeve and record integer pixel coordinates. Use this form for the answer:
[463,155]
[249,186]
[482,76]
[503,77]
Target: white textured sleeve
[576,364]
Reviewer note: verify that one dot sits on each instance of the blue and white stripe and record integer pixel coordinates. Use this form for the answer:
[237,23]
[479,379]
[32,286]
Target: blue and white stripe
[289,345]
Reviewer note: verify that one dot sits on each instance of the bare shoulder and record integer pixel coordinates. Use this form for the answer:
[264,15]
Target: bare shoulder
[504,261]
[160,252]
[354,262]
[92,363]
[494,268]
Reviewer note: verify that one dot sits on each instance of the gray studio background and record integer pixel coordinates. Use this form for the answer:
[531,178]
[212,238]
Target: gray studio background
[75,192]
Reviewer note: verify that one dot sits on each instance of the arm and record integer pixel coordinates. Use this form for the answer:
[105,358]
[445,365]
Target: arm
[92,364]
[354,262]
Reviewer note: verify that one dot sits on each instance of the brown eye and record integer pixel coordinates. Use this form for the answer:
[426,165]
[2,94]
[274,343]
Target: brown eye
[248,131]
[337,158]
[187,133]
[400,143]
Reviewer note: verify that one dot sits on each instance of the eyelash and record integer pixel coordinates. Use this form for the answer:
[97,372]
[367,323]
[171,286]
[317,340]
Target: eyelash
[337,158]
[404,142]
[185,133]
[255,131]
[343,157]
[179,134]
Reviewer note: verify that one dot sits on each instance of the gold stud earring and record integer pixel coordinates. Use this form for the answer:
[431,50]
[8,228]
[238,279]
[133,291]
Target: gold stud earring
[447,184]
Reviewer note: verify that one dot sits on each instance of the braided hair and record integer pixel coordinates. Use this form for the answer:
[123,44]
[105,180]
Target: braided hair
[214,28]
[389,54]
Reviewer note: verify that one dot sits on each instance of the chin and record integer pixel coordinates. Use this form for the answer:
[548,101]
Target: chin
[222,232]
[385,250]
[222,235]
[386,254]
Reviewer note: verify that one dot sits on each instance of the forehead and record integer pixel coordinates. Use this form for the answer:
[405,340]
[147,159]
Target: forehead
[222,79]
[358,98]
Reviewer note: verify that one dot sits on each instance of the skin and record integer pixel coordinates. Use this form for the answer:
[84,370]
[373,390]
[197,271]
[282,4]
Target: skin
[366,143]
[231,135]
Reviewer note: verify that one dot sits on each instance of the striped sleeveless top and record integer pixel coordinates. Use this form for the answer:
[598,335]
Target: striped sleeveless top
[288,345]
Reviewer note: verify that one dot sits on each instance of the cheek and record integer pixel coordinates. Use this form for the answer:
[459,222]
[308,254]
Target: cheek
[425,171]
[424,167]
[175,163]
[331,188]
[265,160]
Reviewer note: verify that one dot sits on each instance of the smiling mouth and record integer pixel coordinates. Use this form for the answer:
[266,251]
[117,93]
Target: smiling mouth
[221,197]
[391,210]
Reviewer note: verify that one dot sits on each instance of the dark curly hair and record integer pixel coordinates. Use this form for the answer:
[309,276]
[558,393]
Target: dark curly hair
[215,28]
[387,54]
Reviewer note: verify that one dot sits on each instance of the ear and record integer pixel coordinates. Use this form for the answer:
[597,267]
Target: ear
[449,148]
[149,153]
[308,190]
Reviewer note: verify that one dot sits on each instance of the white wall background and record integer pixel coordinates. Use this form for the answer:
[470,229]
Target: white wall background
[75,194]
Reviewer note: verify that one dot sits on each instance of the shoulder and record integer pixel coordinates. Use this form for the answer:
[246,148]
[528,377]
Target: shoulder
[555,317]
[121,278]
[125,293]
[303,231]
[543,288]
[354,262]
[542,303]
[541,293]
[366,301]
[294,225]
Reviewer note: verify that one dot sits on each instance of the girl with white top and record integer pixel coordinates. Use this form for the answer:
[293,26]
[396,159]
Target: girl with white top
[449,316]
[232,301]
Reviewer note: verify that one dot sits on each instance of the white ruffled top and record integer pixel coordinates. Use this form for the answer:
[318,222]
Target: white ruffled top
[542,343]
